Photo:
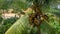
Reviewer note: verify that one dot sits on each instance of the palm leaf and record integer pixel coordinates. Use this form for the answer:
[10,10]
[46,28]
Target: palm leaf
[22,26]
[52,7]
[20,4]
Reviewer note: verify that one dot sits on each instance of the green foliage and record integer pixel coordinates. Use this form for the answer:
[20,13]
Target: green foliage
[52,26]
[5,4]
[10,20]
[6,24]
[17,5]
[1,19]
[3,28]
[20,4]
[52,10]
[22,26]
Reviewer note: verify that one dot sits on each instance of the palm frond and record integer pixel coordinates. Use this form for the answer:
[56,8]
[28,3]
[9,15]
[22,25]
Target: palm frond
[22,26]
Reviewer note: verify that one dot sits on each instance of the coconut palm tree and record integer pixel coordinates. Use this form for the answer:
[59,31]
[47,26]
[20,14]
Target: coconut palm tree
[36,22]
